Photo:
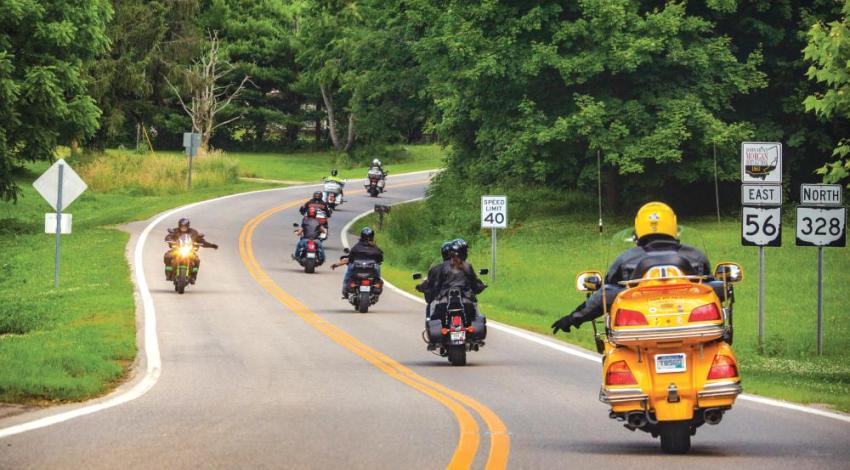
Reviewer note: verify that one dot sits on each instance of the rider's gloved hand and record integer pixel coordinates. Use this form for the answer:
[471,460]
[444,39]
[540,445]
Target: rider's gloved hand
[565,323]
[214,246]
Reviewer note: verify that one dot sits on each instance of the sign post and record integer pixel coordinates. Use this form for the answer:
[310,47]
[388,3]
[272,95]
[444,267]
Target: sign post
[821,222]
[761,215]
[494,215]
[191,141]
[60,186]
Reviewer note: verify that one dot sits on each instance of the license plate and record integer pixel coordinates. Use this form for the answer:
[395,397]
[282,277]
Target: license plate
[365,288]
[458,335]
[667,363]
[311,255]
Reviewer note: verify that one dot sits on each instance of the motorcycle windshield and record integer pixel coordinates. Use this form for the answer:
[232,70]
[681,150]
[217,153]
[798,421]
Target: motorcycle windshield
[185,240]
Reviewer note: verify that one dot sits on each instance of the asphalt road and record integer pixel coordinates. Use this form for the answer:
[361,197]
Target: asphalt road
[264,366]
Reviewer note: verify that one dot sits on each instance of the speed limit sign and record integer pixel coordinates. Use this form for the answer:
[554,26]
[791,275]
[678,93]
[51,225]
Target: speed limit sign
[761,226]
[821,226]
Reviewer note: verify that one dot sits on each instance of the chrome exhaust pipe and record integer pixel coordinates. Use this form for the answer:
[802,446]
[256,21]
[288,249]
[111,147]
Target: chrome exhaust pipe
[637,419]
[713,415]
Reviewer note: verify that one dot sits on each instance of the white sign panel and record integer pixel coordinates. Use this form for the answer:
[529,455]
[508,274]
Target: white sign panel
[821,226]
[761,194]
[494,211]
[761,162]
[50,223]
[761,226]
[821,194]
[48,185]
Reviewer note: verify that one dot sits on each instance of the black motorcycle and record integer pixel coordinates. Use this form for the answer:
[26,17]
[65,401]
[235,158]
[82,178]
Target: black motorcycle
[310,256]
[455,327]
[364,287]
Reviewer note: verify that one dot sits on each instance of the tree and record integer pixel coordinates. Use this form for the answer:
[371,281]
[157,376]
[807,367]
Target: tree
[829,52]
[209,95]
[44,98]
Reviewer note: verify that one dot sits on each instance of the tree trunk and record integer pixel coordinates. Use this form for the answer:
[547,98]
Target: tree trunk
[329,109]
[350,139]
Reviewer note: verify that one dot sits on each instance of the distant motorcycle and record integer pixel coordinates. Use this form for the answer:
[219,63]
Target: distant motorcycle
[332,193]
[458,330]
[323,217]
[310,256]
[364,287]
[376,182]
[183,253]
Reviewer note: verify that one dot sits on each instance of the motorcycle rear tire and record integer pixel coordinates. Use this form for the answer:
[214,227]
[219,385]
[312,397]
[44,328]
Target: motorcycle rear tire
[309,266]
[675,436]
[457,355]
[363,303]
[373,192]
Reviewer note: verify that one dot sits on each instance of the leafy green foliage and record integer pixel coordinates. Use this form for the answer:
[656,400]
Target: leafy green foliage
[43,86]
[829,52]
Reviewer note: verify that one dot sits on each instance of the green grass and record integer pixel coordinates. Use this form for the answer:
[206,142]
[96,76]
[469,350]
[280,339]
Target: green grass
[539,257]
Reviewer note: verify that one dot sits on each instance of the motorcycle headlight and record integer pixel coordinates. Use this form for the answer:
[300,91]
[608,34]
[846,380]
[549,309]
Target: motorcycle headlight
[185,251]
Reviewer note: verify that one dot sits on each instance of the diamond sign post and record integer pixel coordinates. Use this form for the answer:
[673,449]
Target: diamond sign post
[60,185]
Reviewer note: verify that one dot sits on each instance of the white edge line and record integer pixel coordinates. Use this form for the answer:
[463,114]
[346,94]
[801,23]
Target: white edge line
[151,341]
[577,352]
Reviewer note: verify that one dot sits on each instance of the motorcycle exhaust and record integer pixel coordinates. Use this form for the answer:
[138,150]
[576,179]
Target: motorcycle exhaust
[637,419]
[713,415]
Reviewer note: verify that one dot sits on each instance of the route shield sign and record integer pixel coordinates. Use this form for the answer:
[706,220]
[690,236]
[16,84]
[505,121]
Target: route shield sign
[761,162]
[822,226]
[761,226]
[761,194]
[494,211]
[48,185]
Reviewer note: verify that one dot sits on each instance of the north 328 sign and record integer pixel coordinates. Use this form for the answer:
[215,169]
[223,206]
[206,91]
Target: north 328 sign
[761,226]
[821,226]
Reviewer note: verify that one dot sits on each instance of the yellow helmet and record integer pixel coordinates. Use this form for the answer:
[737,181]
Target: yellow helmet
[656,218]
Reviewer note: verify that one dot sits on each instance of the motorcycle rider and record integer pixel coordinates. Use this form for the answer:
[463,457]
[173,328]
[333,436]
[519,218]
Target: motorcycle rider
[183,227]
[310,229]
[454,271]
[316,202]
[377,165]
[365,249]
[656,230]
[425,287]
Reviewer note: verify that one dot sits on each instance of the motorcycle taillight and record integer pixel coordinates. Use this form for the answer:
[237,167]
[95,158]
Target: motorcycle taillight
[311,245]
[456,321]
[365,282]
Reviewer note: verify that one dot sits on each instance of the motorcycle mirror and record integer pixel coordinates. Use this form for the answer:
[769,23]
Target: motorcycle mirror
[729,272]
[589,281]
[294,224]
[417,276]
[483,271]
[346,251]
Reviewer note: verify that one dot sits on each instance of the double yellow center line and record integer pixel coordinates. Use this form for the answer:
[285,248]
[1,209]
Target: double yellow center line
[469,440]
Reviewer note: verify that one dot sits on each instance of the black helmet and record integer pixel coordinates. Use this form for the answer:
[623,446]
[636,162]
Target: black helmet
[460,247]
[333,172]
[317,195]
[183,224]
[446,250]
[367,234]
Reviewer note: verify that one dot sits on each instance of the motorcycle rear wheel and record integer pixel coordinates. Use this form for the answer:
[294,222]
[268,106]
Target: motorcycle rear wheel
[363,303]
[309,266]
[457,355]
[675,436]
[373,192]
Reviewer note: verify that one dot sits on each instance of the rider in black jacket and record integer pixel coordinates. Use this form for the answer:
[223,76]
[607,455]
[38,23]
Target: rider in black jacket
[365,249]
[316,202]
[174,235]
[656,230]
[454,271]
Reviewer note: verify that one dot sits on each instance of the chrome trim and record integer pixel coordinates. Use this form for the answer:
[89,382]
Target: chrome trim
[721,389]
[621,395]
[708,332]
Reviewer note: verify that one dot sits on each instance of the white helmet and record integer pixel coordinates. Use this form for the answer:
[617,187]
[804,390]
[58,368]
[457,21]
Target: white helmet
[376,162]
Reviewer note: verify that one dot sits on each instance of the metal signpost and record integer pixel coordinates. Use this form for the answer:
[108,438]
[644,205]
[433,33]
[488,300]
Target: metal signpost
[821,222]
[494,215]
[761,198]
[191,141]
[59,186]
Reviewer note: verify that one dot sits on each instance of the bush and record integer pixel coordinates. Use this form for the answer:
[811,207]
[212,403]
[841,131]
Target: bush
[154,174]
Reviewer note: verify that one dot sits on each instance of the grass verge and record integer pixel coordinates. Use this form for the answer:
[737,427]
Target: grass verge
[539,255]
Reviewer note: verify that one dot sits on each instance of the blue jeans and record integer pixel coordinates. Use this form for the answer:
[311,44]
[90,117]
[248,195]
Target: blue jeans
[302,245]
[350,270]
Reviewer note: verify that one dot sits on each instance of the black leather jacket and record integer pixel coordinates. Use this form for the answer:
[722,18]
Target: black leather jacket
[365,251]
[443,276]
[174,235]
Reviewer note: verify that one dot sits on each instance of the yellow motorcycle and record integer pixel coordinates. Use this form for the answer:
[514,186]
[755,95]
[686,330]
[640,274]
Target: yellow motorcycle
[667,365]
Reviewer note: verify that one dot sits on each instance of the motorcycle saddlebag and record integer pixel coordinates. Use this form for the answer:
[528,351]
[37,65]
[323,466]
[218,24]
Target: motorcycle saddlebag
[435,330]
[480,325]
